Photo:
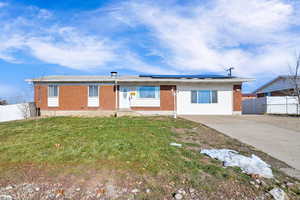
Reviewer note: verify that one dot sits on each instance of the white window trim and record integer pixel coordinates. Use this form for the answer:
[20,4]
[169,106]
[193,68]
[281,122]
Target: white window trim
[211,96]
[155,98]
[89,91]
[54,99]
[95,98]
[49,90]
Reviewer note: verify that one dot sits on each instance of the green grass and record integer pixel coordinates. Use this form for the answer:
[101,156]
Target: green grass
[136,147]
[139,143]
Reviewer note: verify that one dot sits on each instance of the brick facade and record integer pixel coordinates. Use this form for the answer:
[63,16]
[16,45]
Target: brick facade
[40,96]
[75,97]
[107,97]
[237,97]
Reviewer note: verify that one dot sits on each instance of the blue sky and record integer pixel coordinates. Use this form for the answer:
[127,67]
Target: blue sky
[259,38]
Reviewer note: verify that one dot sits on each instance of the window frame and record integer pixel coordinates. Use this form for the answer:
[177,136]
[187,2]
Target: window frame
[97,91]
[57,88]
[156,92]
[211,97]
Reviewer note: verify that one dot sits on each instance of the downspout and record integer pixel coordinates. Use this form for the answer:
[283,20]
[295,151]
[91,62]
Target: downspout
[117,94]
[175,102]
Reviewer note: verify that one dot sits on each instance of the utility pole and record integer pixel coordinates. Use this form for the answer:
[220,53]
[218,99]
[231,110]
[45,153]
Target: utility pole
[229,70]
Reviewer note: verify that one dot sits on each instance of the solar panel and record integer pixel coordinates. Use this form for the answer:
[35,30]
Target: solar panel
[199,76]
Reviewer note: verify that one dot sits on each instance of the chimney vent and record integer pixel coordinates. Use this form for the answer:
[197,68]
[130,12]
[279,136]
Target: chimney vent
[113,74]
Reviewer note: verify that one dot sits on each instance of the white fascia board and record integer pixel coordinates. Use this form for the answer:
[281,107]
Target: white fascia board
[237,80]
[191,81]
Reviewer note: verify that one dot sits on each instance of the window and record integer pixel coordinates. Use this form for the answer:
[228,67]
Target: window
[52,91]
[204,96]
[148,92]
[93,90]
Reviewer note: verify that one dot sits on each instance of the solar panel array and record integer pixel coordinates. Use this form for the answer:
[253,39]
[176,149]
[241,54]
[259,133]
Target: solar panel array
[199,76]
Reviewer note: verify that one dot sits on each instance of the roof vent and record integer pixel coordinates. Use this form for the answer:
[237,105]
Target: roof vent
[113,74]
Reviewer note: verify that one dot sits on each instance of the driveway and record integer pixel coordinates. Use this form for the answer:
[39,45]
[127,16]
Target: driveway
[274,135]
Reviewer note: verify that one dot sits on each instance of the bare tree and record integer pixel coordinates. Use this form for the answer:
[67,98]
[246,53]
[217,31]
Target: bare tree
[295,78]
[25,110]
[24,106]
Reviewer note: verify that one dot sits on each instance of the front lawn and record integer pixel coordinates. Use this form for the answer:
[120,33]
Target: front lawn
[126,157]
[140,144]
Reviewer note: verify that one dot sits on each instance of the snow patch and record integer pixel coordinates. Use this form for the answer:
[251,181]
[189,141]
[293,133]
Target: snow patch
[249,165]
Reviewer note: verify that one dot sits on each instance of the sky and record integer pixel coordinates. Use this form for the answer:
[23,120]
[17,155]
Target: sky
[259,38]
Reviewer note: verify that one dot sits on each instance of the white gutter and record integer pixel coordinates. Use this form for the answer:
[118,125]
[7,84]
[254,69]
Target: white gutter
[174,92]
[148,80]
[117,94]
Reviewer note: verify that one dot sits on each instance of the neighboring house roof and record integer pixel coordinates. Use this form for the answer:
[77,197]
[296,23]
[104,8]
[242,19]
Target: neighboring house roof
[279,83]
[142,78]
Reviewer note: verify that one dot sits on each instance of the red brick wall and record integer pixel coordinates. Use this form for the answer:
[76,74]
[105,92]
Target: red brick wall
[74,97]
[237,97]
[107,97]
[166,100]
[40,96]
[167,97]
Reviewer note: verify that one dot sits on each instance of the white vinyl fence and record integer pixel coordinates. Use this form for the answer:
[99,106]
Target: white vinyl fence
[272,105]
[17,111]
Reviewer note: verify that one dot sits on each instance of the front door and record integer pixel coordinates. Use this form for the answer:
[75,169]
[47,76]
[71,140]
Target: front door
[124,97]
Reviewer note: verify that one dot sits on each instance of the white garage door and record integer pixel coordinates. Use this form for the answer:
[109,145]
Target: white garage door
[204,99]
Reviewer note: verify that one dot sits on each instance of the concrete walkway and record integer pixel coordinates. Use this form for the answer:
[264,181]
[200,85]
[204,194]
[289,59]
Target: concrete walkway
[276,136]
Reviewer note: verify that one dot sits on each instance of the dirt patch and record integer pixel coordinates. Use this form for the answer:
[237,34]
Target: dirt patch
[36,182]
[203,137]
[97,183]
[180,130]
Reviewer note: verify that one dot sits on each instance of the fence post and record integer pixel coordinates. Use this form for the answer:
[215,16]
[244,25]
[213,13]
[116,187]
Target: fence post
[286,105]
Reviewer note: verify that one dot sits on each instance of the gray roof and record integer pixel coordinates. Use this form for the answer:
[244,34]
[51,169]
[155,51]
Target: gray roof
[281,77]
[109,79]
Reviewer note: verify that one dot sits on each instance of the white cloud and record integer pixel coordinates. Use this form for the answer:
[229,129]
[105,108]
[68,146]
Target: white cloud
[77,56]
[74,51]
[133,62]
[67,46]
[260,15]
[8,47]
[256,36]
[253,36]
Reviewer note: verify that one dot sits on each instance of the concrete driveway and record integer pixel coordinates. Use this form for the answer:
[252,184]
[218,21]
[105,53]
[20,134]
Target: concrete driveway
[274,135]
